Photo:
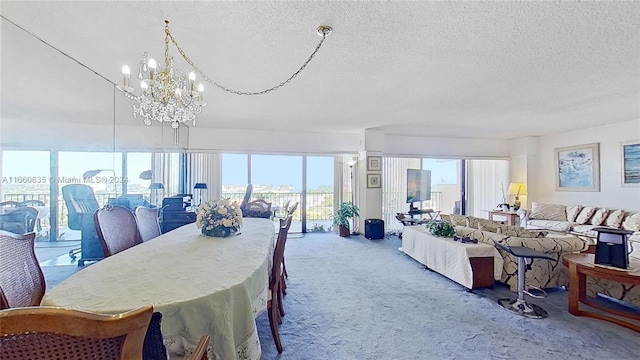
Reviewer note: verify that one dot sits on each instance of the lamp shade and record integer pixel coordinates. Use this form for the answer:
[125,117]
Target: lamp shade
[91,173]
[200,186]
[146,175]
[517,189]
[156,186]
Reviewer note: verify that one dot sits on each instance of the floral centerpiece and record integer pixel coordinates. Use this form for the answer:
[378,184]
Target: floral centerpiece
[219,218]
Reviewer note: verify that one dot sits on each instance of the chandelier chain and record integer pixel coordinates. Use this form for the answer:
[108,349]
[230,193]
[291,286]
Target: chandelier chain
[237,92]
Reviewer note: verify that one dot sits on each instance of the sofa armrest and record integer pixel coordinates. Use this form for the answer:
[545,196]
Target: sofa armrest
[550,244]
[524,216]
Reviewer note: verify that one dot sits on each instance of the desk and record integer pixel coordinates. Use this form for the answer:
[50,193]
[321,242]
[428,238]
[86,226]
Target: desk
[201,285]
[580,266]
[511,216]
[429,212]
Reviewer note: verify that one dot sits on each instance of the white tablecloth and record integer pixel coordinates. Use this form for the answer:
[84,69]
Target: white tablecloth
[448,257]
[201,285]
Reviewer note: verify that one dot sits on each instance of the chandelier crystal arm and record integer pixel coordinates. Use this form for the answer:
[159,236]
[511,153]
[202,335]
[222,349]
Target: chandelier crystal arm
[323,31]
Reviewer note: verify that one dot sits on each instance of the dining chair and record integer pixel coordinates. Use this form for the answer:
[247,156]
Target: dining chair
[293,208]
[39,333]
[117,229]
[148,222]
[200,353]
[274,301]
[22,281]
[290,212]
[258,209]
[33,203]
[8,204]
[20,220]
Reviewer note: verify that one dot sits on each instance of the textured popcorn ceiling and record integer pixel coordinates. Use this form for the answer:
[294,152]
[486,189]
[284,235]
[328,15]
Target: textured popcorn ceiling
[455,69]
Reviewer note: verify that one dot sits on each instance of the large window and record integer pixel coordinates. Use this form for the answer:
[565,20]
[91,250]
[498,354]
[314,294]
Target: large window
[139,173]
[319,199]
[26,177]
[277,179]
[235,176]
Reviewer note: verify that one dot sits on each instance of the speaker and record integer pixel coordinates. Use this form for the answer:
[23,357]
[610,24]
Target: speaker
[611,247]
[374,229]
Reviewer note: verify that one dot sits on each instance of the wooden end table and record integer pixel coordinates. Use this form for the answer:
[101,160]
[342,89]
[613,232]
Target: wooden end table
[512,216]
[581,265]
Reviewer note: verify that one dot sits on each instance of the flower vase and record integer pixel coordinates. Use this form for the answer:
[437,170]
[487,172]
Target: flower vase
[217,232]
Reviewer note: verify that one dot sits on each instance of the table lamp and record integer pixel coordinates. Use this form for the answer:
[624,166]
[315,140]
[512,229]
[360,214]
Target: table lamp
[517,189]
[200,187]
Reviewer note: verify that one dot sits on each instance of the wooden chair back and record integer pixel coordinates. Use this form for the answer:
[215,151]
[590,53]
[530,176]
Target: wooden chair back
[258,208]
[43,333]
[117,229]
[20,220]
[247,197]
[148,222]
[293,208]
[21,278]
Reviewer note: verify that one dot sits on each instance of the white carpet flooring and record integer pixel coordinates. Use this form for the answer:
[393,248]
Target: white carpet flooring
[354,298]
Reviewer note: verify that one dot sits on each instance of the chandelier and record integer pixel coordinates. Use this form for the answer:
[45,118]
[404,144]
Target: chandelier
[169,94]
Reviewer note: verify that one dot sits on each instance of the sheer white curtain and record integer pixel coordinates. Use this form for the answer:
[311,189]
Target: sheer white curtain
[485,180]
[394,189]
[204,168]
[166,170]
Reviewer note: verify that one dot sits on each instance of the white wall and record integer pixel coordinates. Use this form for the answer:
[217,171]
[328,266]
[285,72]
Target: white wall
[396,145]
[612,194]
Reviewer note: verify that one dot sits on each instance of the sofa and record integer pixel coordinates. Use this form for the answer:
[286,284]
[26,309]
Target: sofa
[543,273]
[580,220]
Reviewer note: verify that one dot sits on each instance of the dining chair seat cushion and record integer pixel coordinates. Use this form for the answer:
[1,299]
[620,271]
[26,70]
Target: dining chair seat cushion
[153,348]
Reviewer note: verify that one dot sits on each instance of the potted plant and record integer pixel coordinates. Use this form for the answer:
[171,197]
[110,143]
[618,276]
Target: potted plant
[345,211]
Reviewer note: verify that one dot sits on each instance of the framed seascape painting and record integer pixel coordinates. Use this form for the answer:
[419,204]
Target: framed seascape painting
[630,163]
[578,168]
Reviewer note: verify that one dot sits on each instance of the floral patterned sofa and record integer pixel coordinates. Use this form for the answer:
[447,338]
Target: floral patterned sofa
[543,273]
[580,220]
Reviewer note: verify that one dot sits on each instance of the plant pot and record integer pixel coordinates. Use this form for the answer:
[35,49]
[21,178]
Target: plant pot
[343,231]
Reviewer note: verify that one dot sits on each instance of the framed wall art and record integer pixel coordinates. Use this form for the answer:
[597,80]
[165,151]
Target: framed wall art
[373,181]
[374,163]
[578,168]
[630,156]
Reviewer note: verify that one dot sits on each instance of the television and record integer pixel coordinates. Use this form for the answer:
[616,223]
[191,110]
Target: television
[418,186]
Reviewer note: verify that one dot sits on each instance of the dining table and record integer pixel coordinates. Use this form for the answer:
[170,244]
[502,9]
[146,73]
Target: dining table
[202,285]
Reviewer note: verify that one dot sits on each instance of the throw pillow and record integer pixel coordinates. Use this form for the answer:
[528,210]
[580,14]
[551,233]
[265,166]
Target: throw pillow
[520,232]
[459,220]
[599,216]
[446,218]
[554,212]
[632,222]
[614,220]
[572,212]
[488,226]
[586,214]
